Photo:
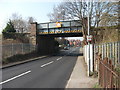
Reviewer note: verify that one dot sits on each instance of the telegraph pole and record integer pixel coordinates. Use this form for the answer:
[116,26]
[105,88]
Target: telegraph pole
[88,41]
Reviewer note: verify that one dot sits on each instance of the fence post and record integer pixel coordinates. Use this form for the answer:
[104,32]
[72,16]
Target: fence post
[118,52]
[106,50]
[30,48]
[12,49]
[99,69]
[110,50]
[102,51]
[114,53]
[94,57]
[99,72]
[22,49]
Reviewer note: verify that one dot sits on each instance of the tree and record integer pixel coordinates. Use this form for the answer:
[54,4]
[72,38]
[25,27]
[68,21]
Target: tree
[105,15]
[79,9]
[21,25]
[104,11]
[73,10]
[29,21]
[58,13]
[9,28]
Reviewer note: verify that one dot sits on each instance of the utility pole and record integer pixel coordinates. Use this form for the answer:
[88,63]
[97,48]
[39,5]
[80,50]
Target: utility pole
[89,35]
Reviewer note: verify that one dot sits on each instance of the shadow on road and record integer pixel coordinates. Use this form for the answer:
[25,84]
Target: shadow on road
[69,53]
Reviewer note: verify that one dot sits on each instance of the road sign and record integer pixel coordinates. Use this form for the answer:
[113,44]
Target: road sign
[89,38]
[58,24]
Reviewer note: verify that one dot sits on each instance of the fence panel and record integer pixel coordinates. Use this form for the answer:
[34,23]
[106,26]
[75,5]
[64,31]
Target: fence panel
[109,50]
[13,49]
[6,51]
[107,76]
[108,55]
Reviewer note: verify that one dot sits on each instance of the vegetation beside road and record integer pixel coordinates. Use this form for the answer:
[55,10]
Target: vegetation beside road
[105,34]
[20,57]
[96,86]
[19,37]
[0,38]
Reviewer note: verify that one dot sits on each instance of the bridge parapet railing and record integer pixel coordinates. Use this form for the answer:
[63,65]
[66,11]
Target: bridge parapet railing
[64,27]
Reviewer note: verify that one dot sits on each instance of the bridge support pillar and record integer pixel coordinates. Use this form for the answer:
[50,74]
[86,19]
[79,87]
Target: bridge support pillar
[45,45]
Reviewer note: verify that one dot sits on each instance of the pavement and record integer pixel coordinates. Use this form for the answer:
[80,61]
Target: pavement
[79,78]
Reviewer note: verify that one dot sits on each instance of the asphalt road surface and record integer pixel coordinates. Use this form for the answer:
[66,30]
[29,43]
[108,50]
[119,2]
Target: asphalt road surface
[50,72]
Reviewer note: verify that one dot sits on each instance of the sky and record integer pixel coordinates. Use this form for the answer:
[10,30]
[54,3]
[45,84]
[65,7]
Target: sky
[35,8]
[26,8]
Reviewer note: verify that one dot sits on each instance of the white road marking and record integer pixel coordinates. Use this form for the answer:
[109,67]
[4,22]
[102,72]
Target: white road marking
[14,77]
[47,64]
[59,58]
[71,51]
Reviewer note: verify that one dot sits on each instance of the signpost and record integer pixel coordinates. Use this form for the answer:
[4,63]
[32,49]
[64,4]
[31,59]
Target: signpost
[58,24]
[89,38]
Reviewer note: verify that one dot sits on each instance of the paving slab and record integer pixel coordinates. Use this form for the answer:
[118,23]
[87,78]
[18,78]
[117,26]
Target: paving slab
[79,78]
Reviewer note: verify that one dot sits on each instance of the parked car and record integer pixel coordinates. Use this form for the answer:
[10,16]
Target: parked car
[66,48]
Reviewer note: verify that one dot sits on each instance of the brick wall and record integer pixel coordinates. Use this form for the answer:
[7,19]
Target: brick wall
[33,33]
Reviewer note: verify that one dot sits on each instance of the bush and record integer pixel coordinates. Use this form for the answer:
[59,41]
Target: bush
[117,69]
[16,36]
[97,86]
[20,57]
[94,74]
[9,28]
[108,27]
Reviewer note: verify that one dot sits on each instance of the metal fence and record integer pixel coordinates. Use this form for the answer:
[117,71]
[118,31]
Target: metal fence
[106,58]
[14,49]
[109,50]
[108,78]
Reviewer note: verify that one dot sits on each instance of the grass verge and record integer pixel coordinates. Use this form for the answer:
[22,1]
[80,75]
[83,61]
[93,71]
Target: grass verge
[97,86]
[19,57]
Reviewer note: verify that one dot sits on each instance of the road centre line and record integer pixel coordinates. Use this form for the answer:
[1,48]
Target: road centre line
[47,64]
[15,77]
[59,58]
